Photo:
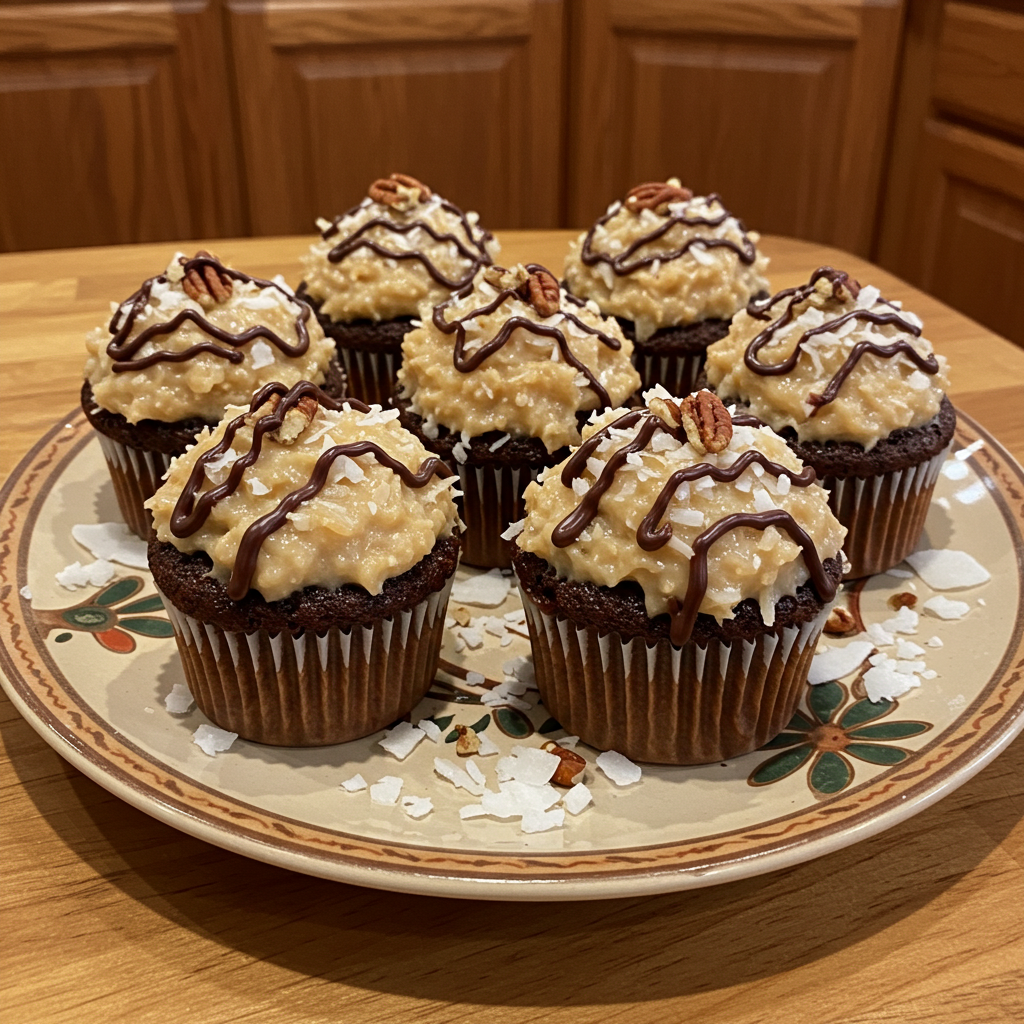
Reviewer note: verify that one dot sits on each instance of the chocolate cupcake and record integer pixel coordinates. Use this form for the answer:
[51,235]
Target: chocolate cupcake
[846,377]
[190,342]
[374,265]
[497,381]
[305,550]
[676,571]
[674,268]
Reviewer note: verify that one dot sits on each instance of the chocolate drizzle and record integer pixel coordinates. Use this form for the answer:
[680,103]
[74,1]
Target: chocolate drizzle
[650,536]
[466,363]
[838,279]
[476,256]
[121,348]
[622,265]
[192,508]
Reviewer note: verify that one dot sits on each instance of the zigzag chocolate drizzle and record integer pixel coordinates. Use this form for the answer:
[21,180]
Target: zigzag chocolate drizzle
[838,278]
[467,363]
[192,509]
[621,265]
[476,257]
[121,350]
[650,537]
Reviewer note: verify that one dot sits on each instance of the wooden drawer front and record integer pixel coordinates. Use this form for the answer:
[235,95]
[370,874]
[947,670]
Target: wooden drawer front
[779,107]
[108,138]
[979,71]
[463,95]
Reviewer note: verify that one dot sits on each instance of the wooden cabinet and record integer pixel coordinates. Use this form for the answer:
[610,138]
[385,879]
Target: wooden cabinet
[953,221]
[780,107]
[116,125]
[465,95]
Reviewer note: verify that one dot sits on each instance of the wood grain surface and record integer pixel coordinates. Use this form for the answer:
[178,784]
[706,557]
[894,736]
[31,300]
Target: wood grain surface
[109,915]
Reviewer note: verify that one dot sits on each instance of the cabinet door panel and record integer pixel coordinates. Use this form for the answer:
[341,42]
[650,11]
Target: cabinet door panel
[116,125]
[468,103]
[781,108]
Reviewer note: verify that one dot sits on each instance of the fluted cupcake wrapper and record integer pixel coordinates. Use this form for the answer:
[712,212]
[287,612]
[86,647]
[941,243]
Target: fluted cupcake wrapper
[370,373]
[676,373]
[492,499]
[670,704]
[136,475]
[312,690]
[884,514]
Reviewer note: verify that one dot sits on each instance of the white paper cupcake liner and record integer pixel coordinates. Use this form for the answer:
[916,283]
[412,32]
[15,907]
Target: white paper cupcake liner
[884,514]
[670,704]
[492,499]
[136,475]
[313,689]
[678,374]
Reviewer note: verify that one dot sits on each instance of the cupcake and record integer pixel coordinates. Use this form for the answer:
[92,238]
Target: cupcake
[846,377]
[373,266]
[674,268]
[305,549]
[676,572]
[498,380]
[190,342]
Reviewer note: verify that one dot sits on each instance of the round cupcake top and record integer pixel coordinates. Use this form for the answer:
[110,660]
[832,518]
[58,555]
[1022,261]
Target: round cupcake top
[199,337]
[401,246]
[514,353]
[833,360]
[300,490]
[665,257]
[700,510]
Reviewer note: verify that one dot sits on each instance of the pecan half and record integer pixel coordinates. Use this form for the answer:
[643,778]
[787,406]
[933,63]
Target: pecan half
[905,599]
[706,421]
[572,764]
[544,293]
[208,282]
[468,742]
[840,622]
[656,195]
[668,412]
[402,191]
[295,420]
[503,279]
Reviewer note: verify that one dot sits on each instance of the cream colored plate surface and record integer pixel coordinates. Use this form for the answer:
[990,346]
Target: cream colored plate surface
[89,669]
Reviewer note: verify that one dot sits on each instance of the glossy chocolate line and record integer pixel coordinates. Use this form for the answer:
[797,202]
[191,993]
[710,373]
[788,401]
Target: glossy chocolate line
[746,252]
[928,364]
[258,531]
[684,614]
[192,509]
[467,363]
[353,242]
[121,349]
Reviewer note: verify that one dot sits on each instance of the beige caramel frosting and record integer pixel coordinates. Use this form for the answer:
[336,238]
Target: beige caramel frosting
[379,262]
[540,370]
[194,360]
[363,526]
[827,328]
[693,261]
[745,562]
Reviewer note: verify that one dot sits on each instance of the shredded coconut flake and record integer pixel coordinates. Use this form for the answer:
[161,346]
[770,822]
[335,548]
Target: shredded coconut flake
[212,740]
[944,569]
[487,590]
[386,790]
[838,662]
[401,741]
[180,700]
[354,785]
[95,574]
[577,799]
[944,608]
[618,768]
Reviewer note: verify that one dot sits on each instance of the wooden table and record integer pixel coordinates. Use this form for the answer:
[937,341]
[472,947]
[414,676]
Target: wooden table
[112,916]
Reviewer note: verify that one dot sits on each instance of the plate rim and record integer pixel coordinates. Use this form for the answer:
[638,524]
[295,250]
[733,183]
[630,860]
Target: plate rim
[509,881]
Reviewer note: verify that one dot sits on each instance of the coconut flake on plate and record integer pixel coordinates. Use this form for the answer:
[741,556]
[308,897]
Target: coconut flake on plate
[26,593]
[213,740]
[417,806]
[955,469]
[430,729]
[488,747]
[944,569]
[578,798]
[837,662]
[618,768]
[385,791]
[486,589]
[905,621]
[879,637]
[457,776]
[884,681]
[112,542]
[966,453]
[944,608]
[970,495]
[354,785]
[401,741]
[95,574]
[180,700]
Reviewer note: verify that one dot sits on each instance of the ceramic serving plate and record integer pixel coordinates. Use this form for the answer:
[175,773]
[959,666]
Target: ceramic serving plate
[90,668]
